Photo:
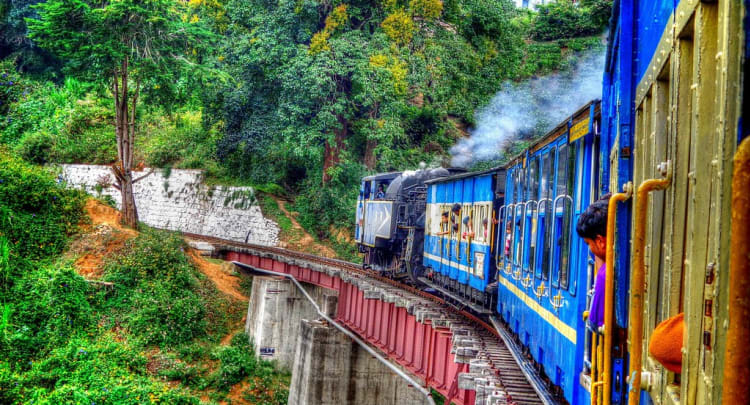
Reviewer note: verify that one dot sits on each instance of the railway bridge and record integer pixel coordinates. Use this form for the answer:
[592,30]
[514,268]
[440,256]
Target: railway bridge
[431,344]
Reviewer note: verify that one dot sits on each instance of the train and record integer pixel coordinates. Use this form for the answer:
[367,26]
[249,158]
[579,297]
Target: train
[667,147]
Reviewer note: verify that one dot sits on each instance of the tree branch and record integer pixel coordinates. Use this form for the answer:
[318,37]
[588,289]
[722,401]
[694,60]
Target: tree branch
[144,176]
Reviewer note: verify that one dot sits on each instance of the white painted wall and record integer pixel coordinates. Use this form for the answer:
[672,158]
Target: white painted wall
[184,203]
[530,3]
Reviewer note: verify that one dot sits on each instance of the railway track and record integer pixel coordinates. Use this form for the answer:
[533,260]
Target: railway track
[522,384]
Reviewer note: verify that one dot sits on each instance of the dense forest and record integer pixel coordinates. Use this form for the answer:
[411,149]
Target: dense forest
[298,98]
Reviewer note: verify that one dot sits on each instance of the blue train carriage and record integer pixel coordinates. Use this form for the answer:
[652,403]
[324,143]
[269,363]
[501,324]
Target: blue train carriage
[674,105]
[460,238]
[544,269]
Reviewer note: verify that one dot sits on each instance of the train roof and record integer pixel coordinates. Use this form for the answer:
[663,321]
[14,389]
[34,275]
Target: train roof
[382,176]
[561,128]
[464,175]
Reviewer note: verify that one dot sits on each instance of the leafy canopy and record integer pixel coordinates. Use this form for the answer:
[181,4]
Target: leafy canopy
[96,37]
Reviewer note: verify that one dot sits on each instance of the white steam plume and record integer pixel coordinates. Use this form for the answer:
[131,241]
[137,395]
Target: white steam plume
[530,108]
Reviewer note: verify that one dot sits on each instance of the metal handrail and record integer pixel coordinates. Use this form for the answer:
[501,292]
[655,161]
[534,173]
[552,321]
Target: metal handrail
[559,301]
[604,375]
[368,349]
[499,232]
[506,266]
[515,260]
[638,283]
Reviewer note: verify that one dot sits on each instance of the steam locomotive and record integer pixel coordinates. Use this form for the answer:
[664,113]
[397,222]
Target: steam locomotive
[666,141]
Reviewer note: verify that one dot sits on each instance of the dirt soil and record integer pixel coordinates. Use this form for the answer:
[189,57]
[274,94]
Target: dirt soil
[220,274]
[300,240]
[103,236]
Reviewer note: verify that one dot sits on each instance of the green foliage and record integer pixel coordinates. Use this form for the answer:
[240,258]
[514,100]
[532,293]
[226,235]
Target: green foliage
[430,9]
[271,209]
[158,295]
[564,19]
[36,213]
[237,361]
[91,370]
[50,306]
[15,44]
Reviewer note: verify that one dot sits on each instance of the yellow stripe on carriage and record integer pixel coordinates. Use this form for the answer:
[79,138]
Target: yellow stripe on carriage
[548,316]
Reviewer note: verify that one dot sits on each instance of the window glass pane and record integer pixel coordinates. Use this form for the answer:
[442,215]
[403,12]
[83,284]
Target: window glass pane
[548,188]
[533,179]
[562,168]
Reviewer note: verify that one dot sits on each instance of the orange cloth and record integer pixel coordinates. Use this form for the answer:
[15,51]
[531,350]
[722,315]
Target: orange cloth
[666,343]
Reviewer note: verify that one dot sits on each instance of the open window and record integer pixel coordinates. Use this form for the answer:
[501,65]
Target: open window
[563,206]
[532,208]
[546,201]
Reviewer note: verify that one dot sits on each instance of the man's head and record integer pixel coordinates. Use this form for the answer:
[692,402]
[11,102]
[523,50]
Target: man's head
[380,187]
[592,227]
[444,216]
[456,208]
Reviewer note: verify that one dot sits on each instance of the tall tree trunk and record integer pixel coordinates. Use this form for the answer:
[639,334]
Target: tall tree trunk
[370,153]
[125,106]
[332,151]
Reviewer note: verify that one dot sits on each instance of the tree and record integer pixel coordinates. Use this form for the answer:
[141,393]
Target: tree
[131,45]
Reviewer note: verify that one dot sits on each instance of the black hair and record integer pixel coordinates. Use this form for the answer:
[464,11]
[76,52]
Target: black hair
[593,221]
[445,213]
[456,207]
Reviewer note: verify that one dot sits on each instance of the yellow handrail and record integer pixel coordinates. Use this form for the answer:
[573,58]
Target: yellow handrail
[609,289]
[595,369]
[737,357]
[638,282]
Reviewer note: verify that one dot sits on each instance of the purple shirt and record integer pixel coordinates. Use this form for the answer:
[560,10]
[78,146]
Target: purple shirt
[596,313]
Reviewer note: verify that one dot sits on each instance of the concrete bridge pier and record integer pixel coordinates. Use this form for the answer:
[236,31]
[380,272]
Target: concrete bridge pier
[327,367]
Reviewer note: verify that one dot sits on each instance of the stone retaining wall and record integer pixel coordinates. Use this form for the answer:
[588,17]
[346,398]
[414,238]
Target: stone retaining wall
[179,200]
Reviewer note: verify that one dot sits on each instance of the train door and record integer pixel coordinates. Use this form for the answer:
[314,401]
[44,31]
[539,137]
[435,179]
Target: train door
[467,216]
[505,241]
[531,217]
[455,250]
[545,215]
[360,215]
[497,223]
[562,209]
[447,252]
[518,224]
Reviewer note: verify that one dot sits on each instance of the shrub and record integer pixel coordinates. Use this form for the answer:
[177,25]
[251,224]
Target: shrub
[50,306]
[36,148]
[158,294]
[563,19]
[237,361]
[36,214]
[100,370]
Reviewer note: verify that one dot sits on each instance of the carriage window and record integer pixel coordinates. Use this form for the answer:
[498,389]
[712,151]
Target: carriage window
[533,179]
[548,189]
[517,185]
[518,234]
[428,219]
[508,232]
[481,223]
[579,184]
[565,172]
[531,213]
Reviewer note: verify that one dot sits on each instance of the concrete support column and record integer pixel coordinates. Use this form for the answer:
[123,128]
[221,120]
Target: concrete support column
[330,369]
[275,313]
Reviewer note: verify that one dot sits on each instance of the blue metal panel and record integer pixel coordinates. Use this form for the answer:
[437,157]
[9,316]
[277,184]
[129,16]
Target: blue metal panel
[653,16]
